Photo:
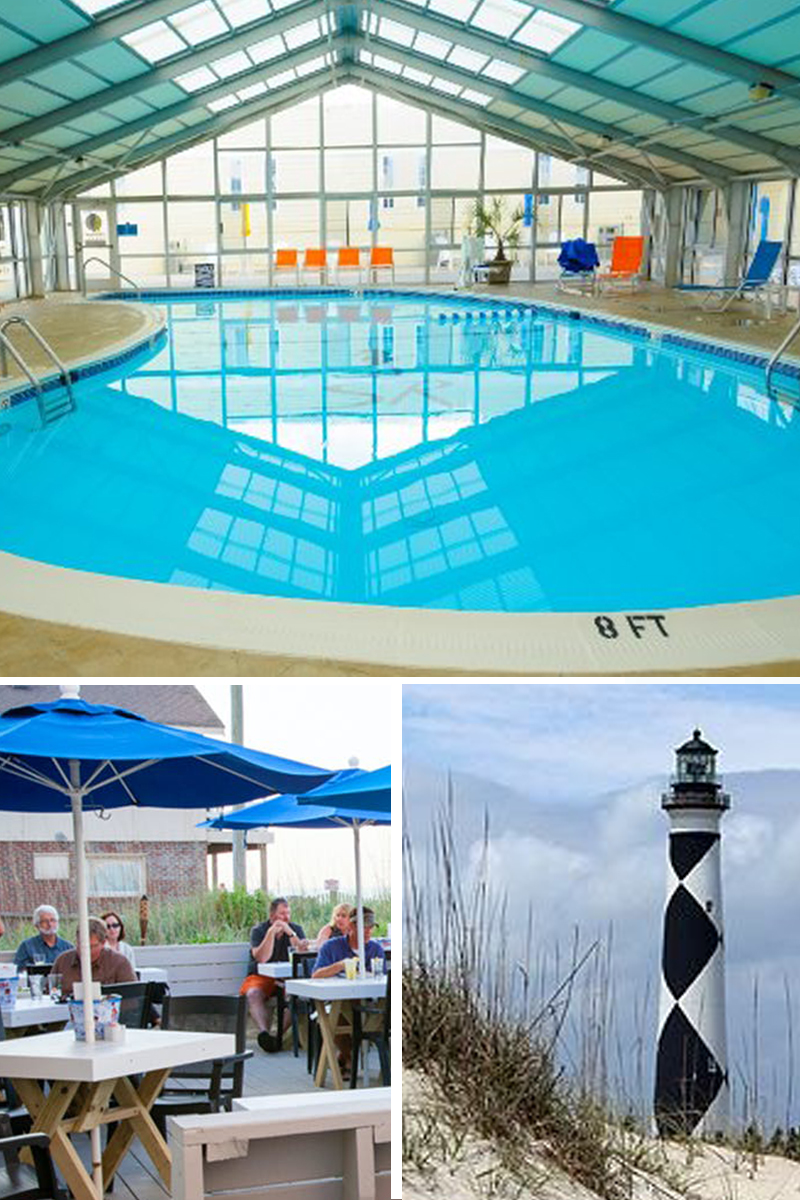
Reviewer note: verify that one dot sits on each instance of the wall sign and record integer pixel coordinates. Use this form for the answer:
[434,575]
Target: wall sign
[204,275]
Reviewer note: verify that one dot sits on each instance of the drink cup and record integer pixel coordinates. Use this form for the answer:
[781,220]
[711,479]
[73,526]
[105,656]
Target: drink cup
[378,965]
[35,982]
[54,987]
[350,967]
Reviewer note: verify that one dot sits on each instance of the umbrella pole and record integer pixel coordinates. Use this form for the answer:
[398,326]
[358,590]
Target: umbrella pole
[359,906]
[85,951]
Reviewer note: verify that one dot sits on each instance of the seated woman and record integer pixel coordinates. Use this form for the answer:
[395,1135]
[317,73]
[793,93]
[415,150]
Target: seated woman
[116,936]
[338,926]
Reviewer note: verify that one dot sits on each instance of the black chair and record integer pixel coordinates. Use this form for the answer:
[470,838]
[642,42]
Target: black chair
[302,963]
[379,1037]
[204,1087]
[18,1181]
[136,1006]
[38,969]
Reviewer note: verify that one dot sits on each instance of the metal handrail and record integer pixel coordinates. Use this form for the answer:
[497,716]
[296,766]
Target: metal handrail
[113,270]
[6,345]
[773,362]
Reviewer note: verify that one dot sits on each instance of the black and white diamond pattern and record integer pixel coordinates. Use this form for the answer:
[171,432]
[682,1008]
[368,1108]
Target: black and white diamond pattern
[691,1073]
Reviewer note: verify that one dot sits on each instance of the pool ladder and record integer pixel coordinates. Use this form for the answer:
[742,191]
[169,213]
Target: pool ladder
[773,390]
[53,403]
[111,270]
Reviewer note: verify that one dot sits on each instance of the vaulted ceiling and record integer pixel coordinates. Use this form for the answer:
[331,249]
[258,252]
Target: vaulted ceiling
[651,91]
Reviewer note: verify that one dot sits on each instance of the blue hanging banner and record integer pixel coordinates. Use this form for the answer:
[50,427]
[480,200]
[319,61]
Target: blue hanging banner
[128,230]
[373,223]
[527,210]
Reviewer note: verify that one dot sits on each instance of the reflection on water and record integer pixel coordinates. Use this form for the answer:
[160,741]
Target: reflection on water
[395,456]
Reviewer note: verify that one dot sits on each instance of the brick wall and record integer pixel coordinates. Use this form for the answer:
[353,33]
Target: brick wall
[173,870]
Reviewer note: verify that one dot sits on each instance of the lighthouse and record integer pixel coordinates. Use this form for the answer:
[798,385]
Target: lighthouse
[691,1088]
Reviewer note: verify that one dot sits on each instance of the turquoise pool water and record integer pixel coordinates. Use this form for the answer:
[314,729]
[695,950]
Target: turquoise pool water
[415,451]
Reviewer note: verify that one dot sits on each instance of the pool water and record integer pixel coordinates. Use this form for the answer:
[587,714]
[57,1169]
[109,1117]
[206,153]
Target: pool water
[415,451]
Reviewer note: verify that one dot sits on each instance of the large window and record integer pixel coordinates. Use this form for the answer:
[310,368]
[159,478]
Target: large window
[347,168]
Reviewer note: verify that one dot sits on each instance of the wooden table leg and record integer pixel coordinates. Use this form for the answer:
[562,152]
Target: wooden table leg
[327,1055]
[48,1114]
[138,1123]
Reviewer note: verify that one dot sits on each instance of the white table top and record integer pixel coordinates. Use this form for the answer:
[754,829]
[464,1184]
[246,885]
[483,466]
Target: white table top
[338,989]
[59,1056]
[377,1100]
[35,1012]
[152,974]
[276,970]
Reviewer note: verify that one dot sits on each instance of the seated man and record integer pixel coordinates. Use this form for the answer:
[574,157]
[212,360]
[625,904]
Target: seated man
[46,946]
[269,942]
[107,965]
[331,960]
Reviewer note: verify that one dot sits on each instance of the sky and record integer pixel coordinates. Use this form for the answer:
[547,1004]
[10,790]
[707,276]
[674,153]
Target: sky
[325,722]
[571,777]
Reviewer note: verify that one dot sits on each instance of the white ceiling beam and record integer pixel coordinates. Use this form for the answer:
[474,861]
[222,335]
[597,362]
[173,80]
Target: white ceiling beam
[713,172]
[164,72]
[540,64]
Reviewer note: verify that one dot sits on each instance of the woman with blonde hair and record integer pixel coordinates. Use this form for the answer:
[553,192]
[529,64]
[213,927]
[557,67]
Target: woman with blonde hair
[338,925]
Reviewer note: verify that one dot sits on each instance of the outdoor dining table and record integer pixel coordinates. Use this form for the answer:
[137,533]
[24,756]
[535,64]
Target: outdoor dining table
[85,1079]
[338,993]
[152,974]
[26,1013]
[276,970]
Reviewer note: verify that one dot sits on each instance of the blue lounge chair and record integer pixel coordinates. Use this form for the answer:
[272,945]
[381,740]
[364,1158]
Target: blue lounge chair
[578,261]
[754,280]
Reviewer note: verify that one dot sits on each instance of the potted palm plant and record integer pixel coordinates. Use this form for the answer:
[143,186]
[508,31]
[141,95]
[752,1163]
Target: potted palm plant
[491,216]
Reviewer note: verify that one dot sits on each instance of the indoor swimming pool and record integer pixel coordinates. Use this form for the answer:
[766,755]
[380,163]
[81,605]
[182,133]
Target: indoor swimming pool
[415,451]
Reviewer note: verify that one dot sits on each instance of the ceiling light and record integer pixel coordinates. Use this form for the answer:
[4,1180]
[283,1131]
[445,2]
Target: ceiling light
[760,91]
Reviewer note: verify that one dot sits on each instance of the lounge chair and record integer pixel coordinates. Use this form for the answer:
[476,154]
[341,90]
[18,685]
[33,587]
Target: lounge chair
[625,266]
[348,258]
[754,281]
[578,261]
[286,260]
[381,259]
[316,260]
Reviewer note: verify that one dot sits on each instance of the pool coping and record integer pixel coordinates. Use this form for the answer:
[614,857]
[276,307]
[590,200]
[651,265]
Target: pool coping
[712,637]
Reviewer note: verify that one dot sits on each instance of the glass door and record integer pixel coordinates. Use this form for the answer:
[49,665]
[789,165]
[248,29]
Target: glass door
[96,252]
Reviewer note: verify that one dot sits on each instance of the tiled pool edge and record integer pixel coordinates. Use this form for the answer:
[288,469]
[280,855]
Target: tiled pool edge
[718,637]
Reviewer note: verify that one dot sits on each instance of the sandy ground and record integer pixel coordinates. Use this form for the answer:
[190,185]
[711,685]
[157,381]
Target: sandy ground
[440,1164]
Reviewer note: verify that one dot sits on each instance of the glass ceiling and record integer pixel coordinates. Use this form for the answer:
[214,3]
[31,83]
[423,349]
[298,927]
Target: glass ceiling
[443,51]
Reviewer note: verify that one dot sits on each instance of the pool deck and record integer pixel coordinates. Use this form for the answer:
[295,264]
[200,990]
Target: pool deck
[35,645]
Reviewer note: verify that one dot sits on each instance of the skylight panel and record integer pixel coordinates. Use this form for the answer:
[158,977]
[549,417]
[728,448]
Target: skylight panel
[282,78]
[444,85]
[500,17]
[155,41]
[231,64]
[241,12]
[386,64]
[417,76]
[459,10]
[545,31]
[192,81]
[394,31]
[436,47]
[365,56]
[199,23]
[96,6]
[503,71]
[313,64]
[255,89]
[264,51]
[475,97]
[470,60]
[229,101]
[301,35]
[281,4]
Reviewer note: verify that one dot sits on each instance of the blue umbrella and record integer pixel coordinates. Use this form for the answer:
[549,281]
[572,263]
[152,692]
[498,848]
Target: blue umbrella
[370,790]
[292,811]
[70,755]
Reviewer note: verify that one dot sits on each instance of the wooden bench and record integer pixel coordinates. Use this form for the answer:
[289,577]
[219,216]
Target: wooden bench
[316,1146]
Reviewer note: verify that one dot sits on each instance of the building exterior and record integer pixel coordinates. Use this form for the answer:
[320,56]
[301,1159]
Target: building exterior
[163,855]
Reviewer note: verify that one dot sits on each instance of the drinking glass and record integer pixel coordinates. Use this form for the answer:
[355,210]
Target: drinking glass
[350,967]
[35,982]
[54,987]
[378,965]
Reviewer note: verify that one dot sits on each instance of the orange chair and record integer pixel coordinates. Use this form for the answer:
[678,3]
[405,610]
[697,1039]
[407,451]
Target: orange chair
[316,260]
[382,258]
[348,258]
[286,260]
[625,266]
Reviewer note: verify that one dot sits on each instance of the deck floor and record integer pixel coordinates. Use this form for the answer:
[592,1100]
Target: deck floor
[265,1075]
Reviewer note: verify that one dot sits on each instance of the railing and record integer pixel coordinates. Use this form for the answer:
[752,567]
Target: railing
[773,362]
[47,412]
[108,267]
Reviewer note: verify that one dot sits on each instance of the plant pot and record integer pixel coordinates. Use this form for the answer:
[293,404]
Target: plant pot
[499,271]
